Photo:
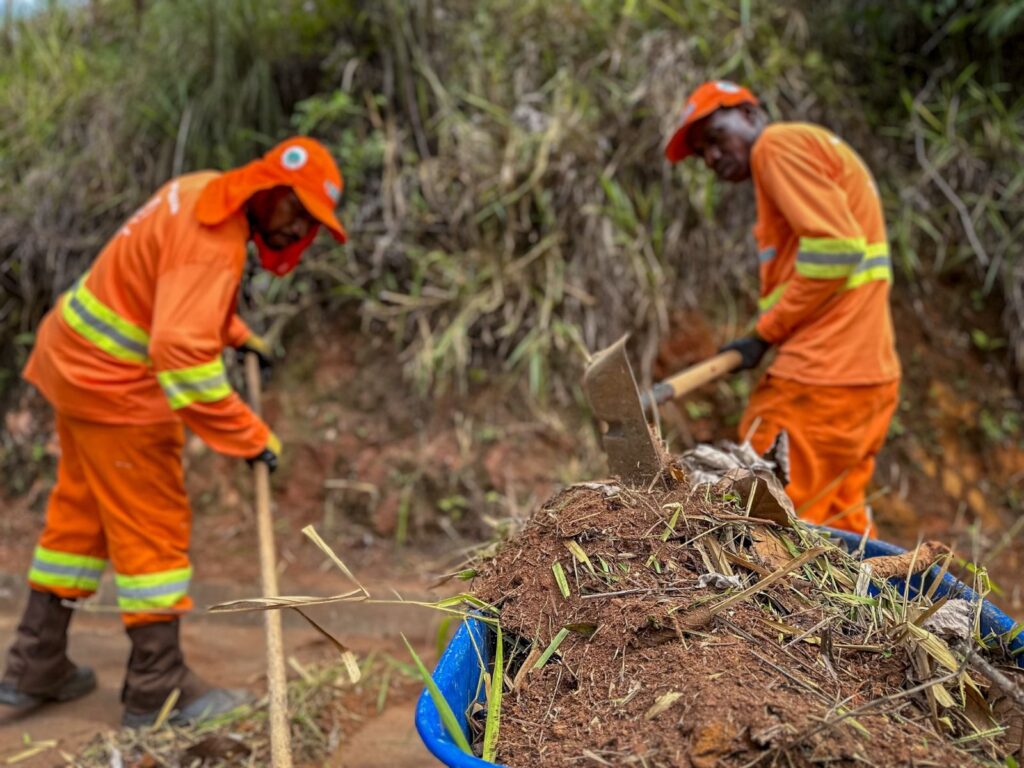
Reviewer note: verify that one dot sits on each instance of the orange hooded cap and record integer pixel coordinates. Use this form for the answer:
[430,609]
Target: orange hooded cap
[301,163]
[702,102]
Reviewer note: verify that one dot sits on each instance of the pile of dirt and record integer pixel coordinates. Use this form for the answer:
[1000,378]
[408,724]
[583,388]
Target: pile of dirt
[696,632]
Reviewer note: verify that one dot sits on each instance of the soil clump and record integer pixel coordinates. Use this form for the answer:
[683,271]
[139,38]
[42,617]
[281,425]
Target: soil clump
[695,634]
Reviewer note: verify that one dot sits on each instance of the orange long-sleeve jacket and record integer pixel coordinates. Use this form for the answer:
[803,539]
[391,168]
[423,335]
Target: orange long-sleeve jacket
[139,338]
[825,266]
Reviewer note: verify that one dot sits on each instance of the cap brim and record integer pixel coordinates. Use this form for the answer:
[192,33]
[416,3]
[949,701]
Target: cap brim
[678,148]
[322,213]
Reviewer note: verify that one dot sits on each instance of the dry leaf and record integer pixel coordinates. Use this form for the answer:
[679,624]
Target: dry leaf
[347,657]
[769,548]
[285,601]
[769,501]
[662,703]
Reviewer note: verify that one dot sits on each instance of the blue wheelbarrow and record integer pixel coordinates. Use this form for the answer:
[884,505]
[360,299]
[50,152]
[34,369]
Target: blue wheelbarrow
[458,671]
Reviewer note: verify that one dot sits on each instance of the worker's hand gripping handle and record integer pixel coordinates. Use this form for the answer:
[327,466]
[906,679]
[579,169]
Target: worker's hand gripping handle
[693,377]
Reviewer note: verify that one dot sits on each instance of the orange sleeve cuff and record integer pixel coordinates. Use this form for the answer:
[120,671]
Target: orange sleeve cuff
[238,332]
[228,426]
[768,330]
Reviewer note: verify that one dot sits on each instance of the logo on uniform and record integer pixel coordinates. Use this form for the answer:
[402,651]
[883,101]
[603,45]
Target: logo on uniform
[727,87]
[294,157]
[332,191]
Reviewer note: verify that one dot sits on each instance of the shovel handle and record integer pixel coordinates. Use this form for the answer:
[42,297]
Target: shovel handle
[277,679]
[693,377]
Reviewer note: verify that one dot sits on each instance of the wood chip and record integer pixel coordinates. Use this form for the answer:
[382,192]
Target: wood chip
[662,703]
[898,566]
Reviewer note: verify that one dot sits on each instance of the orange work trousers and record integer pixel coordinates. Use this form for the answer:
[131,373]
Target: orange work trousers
[834,435]
[120,495]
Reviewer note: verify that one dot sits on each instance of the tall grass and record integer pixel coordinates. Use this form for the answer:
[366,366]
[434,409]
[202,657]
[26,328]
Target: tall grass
[507,196]
[941,81]
[100,106]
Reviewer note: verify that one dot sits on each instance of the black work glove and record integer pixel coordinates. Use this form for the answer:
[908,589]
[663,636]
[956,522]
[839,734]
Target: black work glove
[261,349]
[268,455]
[752,349]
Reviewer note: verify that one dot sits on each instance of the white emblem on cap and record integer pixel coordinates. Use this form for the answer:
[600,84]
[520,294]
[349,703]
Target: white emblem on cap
[332,190]
[687,112]
[725,85]
[294,157]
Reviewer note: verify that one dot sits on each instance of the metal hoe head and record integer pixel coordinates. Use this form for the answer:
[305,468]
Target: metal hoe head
[611,389]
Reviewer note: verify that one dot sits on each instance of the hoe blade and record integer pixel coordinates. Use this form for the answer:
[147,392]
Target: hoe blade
[615,400]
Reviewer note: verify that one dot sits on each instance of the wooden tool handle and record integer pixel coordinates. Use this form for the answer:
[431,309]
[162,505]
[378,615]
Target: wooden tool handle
[277,682]
[695,376]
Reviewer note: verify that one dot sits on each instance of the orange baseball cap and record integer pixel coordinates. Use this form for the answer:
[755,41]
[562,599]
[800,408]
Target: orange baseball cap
[302,163]
[702,102]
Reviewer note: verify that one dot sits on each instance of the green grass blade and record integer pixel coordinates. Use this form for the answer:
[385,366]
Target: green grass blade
[447,716]
[579,554]
[552,647]
[671,527]
[563,583]
[494,702]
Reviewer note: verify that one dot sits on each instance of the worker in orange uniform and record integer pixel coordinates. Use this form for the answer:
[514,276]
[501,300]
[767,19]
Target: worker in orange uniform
[129,356]
[825,279]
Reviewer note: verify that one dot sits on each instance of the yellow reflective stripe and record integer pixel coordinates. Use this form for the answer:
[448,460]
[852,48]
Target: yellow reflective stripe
[64,569]
[877,265]
[833,245]
[858,279]
[767,302]
[95,321]
[204,383]
[828,258]
[152,590]
[825,271]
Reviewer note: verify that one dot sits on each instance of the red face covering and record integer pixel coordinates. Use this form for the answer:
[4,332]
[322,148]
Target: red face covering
[301,163]
[284,260]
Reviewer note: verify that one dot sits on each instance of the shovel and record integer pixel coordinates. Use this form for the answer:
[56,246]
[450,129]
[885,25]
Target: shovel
[277,682]
[615,399]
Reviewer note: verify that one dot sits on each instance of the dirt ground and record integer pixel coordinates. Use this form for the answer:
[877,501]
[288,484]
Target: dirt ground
[228,650]
[406,487]
[401,509]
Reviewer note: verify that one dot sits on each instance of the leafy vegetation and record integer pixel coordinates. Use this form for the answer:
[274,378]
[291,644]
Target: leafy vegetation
[507,195]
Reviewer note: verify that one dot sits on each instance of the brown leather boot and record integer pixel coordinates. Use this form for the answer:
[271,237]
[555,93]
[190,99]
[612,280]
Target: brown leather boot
[156,668]
[38,668]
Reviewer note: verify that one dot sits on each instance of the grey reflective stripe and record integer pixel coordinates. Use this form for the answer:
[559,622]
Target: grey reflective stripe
[874,261]
[810,257]
[172,388]
[66,570]
[136,593]
[766,255]
[105,328]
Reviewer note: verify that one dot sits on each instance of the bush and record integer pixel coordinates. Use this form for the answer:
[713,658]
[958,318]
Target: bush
[507,196]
